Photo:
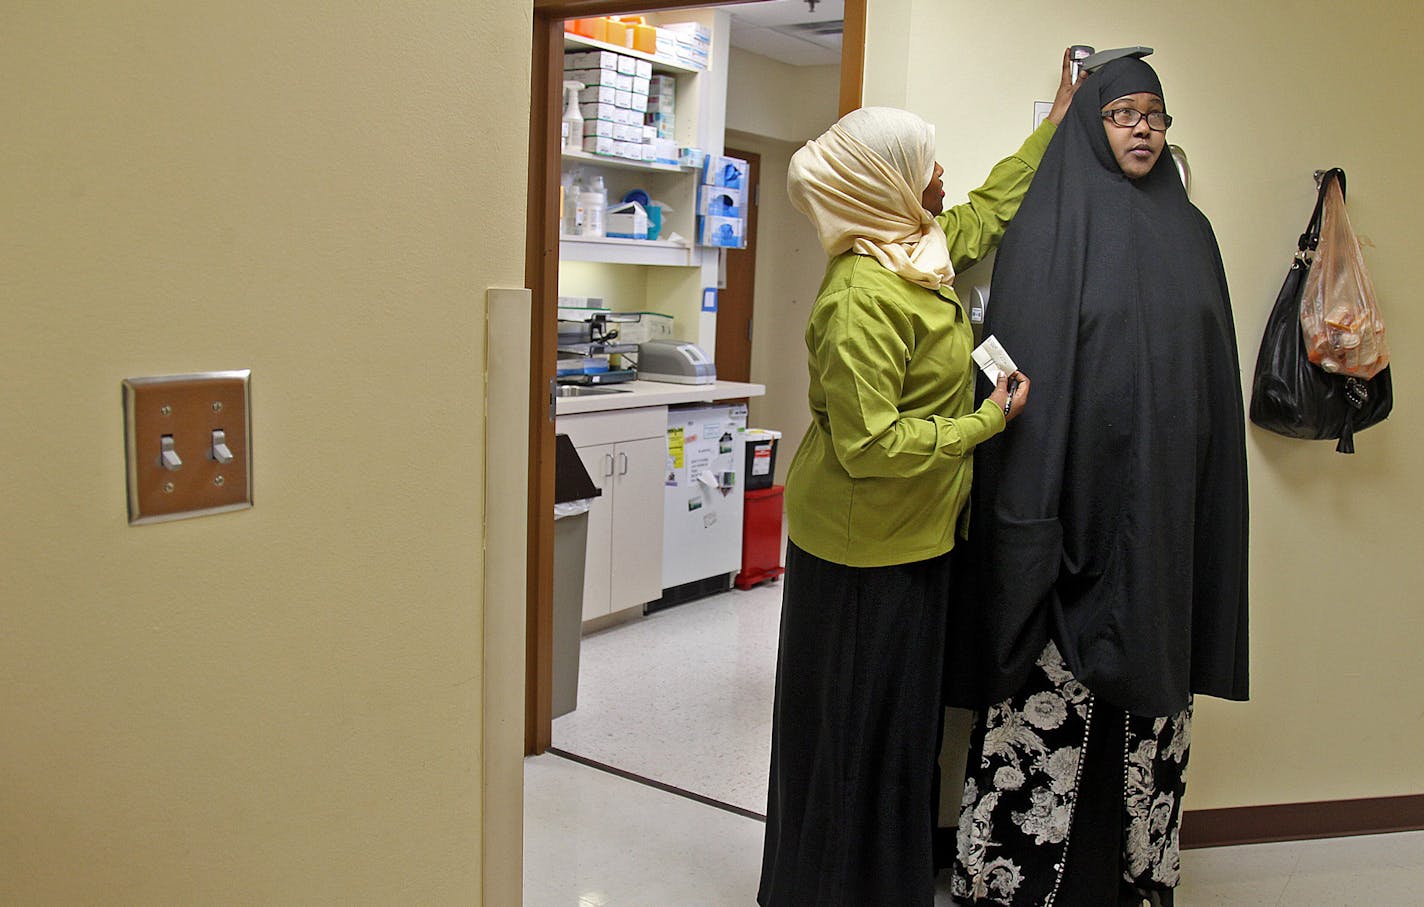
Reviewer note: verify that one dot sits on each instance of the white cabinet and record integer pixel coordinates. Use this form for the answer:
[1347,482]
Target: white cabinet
[625,453]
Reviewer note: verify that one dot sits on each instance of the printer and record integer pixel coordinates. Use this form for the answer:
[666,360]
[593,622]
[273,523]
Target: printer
[676,362]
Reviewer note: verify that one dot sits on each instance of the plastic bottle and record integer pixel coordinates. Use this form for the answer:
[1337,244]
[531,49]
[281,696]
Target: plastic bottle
[571,212]
[595,208]
[573,116]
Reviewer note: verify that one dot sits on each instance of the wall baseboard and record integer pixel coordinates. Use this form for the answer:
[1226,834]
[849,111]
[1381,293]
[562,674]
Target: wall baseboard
[1273,822]
[1301,821]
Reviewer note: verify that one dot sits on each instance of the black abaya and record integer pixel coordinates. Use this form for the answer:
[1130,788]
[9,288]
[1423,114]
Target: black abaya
[1111,517]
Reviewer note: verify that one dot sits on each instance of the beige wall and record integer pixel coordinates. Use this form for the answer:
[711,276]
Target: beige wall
[772,109]
[1264,93]
[280,705]
[769,98]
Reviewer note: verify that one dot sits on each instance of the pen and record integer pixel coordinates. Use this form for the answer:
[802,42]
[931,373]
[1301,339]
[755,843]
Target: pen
[1009,401]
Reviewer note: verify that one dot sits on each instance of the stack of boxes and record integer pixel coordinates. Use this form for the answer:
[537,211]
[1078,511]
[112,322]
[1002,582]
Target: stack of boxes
[722,201]
[687,43]
[614,102]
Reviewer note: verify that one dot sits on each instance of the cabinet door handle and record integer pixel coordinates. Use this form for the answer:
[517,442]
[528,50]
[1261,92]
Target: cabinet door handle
[622,464]
[607,465]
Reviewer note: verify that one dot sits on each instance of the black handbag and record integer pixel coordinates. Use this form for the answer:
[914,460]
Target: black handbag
[1293,397]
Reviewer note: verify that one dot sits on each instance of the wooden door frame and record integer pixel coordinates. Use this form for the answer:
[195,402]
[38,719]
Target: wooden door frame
[541,276]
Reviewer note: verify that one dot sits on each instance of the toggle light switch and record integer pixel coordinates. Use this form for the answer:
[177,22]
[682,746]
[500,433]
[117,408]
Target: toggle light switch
[168,457]
[220,450]
[199,426]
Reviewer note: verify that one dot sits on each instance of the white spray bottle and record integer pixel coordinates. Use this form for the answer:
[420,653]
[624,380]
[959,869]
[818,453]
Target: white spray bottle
[573,117]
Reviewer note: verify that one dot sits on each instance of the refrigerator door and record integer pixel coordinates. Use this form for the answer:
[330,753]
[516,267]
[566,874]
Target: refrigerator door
[702,516]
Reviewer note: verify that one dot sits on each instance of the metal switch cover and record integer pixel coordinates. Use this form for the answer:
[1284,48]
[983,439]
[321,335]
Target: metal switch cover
[189,445]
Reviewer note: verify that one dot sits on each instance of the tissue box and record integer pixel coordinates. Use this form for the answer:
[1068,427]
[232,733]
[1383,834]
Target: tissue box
[627,221]
[720,170]
[720,201]
[722,232]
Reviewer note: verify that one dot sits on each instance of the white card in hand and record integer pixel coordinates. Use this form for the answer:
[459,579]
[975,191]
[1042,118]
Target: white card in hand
[993,360]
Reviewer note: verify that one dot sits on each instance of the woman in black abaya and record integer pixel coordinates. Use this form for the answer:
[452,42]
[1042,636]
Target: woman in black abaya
[1108,579]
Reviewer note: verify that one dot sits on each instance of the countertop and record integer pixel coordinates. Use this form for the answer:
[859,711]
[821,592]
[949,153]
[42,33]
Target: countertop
[656,393]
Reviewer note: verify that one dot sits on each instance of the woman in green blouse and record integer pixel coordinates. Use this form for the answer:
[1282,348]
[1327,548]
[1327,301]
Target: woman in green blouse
[875,500]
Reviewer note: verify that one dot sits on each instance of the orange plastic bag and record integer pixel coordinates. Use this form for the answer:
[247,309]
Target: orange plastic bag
[1339,316]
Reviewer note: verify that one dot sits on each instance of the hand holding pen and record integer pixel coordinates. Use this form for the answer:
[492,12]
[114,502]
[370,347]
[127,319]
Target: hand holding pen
[1011,394]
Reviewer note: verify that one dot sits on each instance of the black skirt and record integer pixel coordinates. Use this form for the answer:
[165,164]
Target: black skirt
[855,734]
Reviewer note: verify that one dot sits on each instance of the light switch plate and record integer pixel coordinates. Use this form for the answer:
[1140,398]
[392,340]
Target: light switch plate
[189,445]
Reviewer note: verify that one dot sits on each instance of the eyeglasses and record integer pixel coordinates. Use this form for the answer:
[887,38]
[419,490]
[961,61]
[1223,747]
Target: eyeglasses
[1127,117]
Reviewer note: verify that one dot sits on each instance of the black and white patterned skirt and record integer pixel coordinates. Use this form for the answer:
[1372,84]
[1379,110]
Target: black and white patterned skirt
[1069,801]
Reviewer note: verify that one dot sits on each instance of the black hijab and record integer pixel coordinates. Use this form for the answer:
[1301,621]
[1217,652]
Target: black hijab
[1111,516]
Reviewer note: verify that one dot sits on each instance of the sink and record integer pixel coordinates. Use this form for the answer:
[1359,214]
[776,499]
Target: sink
[580,390]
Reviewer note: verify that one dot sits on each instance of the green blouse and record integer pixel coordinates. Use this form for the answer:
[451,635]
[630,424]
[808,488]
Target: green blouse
[883,473]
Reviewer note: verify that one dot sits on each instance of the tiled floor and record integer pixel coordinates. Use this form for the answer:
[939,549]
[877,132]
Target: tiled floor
[684,697]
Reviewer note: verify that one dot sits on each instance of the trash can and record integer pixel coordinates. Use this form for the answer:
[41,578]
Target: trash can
[761,457]
[574,492]
[761,537]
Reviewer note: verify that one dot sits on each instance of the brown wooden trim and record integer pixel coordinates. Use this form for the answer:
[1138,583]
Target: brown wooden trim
[541,274]
[580,9]
[1301,821]
[853,56]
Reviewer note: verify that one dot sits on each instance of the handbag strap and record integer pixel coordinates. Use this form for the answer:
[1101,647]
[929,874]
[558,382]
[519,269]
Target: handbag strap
[1311,237]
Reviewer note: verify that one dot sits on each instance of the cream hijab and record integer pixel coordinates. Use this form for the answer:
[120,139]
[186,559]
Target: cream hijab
[860,184]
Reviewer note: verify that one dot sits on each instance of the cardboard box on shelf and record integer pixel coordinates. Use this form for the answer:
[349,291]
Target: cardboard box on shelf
[600,128]
[722,232]
[627,220]
[721,170]
[720,201]
[597,111]
[590,77]
[597,144]
[598,94]
[593,59]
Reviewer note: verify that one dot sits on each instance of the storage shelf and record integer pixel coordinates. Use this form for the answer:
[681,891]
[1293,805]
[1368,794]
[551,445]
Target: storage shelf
[607,250]
[622,163]
[660,64]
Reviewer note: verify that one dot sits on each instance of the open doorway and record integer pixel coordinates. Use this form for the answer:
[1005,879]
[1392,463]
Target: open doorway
[837,80]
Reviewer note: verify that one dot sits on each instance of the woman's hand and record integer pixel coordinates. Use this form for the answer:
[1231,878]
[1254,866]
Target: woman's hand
[1066,89]
[1012,401]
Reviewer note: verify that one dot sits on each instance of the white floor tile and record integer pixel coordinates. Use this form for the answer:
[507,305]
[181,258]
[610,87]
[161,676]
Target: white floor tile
[595,840]
[684,696]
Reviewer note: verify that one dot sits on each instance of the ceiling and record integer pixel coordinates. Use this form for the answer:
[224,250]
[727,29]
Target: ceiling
[789,31]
